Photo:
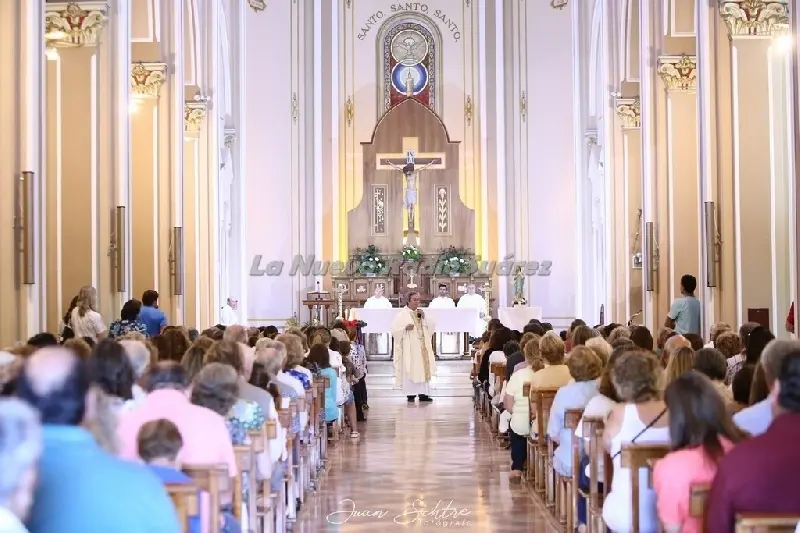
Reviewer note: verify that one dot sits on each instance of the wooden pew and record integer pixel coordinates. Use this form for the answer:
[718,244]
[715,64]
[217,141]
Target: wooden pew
[184,497]
[215,480]
[593,427]
[766,522]
[698,498]
[263,507]
[635,457]
[567,487]
[246,462]
[543,399]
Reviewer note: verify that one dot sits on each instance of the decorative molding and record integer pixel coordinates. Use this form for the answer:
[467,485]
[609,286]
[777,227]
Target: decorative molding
[763,18]
[230,138]
[629,112]
[559,4]
[194,113]
[258,5]
[349,111]
[466,3]
[72,25]
[442,202]
[591,137]
[679,73]
[147,78]
[349,3]
[295,108]
[379,203]
[468,110]
[523,106]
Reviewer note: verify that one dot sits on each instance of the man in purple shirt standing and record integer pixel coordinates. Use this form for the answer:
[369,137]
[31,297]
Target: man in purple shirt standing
[154,318]
[759,474]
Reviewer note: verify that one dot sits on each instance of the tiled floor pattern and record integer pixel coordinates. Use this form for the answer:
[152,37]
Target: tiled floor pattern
[426,468]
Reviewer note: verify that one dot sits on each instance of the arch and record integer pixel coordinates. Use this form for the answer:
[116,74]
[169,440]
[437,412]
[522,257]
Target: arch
[395,110]
[433,61]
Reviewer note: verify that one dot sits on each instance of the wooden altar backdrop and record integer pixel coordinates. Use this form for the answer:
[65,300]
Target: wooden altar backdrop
[443,219]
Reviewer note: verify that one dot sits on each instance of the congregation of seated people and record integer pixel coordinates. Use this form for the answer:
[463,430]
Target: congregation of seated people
[142,426]
[616,430]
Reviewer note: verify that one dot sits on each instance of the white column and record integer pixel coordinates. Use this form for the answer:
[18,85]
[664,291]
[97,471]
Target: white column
[648,113]
[120,34]
[174,46]
[215,133]
[32,115]
[318,81]
[238,207]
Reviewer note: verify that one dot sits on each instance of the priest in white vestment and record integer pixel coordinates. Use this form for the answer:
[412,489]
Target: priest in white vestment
[227,315]
[471,300]
[378,343]
[414,365]
[445,342]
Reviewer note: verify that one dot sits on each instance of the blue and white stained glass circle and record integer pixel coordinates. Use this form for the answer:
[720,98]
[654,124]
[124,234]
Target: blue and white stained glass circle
[416,76]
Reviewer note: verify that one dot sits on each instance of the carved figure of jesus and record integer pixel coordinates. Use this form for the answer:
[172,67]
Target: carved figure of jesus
[410,192]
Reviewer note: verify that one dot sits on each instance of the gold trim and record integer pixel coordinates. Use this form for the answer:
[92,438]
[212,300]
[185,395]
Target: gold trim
[349,112]
[761,18]
[468,110]
[147,78]
[629,112]
[679,73]
[25,225]
[72,25]
[523,106]
[194,113]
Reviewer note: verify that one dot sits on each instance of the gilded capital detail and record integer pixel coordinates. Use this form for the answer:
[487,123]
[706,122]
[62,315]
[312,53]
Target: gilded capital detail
[679,73]
[230,138]
[629,111]
[258,5]
[762,18]
[147,78]
[193,115]
[72,25]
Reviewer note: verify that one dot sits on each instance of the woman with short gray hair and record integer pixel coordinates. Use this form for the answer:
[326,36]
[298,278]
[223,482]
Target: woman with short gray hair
[20,448]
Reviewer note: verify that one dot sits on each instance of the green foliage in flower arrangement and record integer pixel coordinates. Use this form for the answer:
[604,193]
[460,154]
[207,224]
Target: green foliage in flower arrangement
[454,260]
[369,260]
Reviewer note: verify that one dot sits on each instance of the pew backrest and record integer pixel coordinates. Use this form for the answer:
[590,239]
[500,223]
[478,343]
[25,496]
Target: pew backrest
[184,497]
[766,522]
[635,457]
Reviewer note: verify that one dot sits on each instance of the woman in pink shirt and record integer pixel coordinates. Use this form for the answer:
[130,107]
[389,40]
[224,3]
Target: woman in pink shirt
[701,433]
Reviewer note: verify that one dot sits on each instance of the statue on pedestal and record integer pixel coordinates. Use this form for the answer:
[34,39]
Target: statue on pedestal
[519,287]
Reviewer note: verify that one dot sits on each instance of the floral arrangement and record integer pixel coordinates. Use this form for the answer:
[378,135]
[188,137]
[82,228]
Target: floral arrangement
[369,260]
[355,323]
[411,252]
[454,260]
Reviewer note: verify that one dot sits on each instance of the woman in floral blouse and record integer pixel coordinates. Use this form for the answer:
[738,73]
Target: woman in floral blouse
[129,320]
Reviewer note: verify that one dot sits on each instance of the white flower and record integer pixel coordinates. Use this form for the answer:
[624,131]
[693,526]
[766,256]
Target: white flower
[460,260]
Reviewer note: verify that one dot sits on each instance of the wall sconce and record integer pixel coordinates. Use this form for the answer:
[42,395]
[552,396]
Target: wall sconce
[120,247]
[650,254]
[176,261]
[711,244]
[25,227]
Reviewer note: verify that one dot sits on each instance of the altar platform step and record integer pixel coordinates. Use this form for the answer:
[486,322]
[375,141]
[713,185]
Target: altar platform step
[451,380]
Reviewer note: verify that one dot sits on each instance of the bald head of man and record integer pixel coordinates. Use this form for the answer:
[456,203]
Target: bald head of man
[55,382]
[672,344]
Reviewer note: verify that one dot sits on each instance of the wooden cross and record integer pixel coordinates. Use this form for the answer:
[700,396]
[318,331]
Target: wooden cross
[439,160]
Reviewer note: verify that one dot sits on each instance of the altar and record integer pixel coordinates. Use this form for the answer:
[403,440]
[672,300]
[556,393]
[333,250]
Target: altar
[445,321]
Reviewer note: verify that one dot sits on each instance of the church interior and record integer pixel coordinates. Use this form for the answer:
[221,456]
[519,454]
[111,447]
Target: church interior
[485,265]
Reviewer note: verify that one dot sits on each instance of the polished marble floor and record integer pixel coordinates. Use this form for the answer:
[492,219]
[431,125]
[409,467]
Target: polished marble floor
[426,468]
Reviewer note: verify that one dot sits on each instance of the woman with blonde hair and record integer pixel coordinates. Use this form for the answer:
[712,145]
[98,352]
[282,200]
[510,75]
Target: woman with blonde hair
[85,321]
[681,361]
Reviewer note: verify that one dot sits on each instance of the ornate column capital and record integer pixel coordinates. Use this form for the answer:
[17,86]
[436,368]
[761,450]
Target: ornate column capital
[194,113]
[761,18]
[230,137]
[629,111]
[559,4]
[147,78]
[258,5]
[679,73]
[70,24]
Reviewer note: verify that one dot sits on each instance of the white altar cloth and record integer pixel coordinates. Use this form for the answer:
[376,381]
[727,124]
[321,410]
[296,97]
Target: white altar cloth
[444,320]
[518,317]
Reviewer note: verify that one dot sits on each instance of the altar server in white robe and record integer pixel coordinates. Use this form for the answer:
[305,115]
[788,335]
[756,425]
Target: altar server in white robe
[471,300]
[445,342]
[378,343]
[414,364]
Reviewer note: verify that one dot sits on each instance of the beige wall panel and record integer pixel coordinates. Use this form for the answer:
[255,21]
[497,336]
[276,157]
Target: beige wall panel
[144,197]
[52,195]
[633,199]
[75,155]
[632,42]
[190,230]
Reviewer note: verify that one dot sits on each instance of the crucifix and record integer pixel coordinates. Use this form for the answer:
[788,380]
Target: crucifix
[410,162]
[411,276]
[340,290]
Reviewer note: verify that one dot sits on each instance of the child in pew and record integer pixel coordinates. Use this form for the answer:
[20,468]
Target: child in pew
[159,443]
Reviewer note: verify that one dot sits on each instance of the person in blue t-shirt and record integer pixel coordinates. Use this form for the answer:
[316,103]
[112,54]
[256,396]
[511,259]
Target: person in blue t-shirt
[159,443]
[154,318]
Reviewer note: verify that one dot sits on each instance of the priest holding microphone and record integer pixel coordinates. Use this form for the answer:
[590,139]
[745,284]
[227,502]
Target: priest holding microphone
[414,363]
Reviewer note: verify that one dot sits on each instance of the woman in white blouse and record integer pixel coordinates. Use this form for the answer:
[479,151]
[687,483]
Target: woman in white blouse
[85,320]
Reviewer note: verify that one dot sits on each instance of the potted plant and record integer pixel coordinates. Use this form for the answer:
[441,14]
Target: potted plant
[369,261]
[411,253]
[454,261]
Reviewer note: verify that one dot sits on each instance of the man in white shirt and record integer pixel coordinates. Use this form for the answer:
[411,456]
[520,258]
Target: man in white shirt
[227,315]
[378,343]
[445,342]
[474,301]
